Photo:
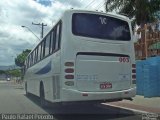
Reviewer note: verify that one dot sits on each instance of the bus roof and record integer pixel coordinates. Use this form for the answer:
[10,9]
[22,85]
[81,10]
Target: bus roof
[86,11]
[99,12]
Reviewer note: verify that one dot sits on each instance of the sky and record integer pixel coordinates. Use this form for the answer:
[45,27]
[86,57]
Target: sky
[16,13]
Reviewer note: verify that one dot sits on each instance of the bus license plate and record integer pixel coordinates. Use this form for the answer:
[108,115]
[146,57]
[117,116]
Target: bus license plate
[105,85]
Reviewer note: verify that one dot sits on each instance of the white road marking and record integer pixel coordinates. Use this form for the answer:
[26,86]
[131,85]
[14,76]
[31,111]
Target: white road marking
[139,111]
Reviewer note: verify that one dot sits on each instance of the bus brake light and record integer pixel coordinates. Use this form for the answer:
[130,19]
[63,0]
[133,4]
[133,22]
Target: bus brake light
[69,70]
[69,76]
[133,70]
[134,76]
[133,65]
[69,64]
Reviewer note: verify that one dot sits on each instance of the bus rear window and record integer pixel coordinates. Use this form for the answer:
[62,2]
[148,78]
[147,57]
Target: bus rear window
[99,26]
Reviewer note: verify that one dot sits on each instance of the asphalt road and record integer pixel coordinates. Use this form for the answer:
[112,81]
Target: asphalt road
[14,101]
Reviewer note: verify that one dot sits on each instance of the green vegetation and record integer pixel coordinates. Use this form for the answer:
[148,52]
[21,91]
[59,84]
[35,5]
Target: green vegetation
[2,72]
[14,73]
[19,61]
[143,11]
[155,46]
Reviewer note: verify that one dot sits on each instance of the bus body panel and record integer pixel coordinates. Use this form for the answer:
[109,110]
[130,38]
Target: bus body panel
[37,73]
[96,96]
[98,69]
[102,73]
[97,63]
[91,71]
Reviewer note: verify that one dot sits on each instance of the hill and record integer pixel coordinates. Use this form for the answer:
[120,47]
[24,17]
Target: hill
[8,67]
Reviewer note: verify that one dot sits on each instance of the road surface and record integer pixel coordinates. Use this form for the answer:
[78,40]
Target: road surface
[14,101]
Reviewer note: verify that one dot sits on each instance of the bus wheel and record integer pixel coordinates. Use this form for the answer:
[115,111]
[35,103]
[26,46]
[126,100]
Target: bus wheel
[26,89]
[42,96]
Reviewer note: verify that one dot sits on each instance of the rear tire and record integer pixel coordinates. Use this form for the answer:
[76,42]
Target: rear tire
[42,96]
[27,94]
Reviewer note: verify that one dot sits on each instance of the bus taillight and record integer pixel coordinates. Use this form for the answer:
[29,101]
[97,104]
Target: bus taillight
[134,77]
[69,76]
[133,70]
[133,73]
[84,94]
[69,64]
[69,70]
[133,65]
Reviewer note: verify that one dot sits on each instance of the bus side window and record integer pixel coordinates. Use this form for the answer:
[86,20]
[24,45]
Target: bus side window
[53,39]
[42,49]
[27,63]
[57,36]
[51,43]
[24,68]
[39,52]
[31,59]
[35,57]
[47,44]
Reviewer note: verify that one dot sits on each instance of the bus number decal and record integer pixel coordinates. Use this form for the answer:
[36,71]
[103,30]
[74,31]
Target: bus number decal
[124,59]
[103,20]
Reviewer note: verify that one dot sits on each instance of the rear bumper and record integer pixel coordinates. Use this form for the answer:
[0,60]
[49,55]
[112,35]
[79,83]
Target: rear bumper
[71,95]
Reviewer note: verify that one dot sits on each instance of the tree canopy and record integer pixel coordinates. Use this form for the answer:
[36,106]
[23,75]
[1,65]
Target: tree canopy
[14,72]
[19,61]
[143,10]
[2,72]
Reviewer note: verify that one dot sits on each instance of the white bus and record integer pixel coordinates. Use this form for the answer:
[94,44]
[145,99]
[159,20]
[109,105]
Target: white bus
[86,56]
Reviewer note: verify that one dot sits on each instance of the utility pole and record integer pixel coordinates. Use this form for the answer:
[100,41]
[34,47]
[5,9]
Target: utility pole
[42,24]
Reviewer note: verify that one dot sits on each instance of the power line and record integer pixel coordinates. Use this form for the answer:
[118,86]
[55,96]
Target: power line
[81,2]
[101,4]
[69,3]
[98,5]
[90,3]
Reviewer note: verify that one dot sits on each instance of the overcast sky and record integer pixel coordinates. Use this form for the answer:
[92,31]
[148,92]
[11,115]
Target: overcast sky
[15,13]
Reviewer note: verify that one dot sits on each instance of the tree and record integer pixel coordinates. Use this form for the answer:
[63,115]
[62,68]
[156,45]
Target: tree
[2,72]
[19,61]
[14,72]
[143,10]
